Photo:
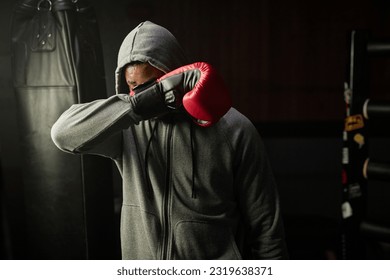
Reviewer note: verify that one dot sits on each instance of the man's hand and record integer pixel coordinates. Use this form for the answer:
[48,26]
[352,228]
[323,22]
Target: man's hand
[197,86]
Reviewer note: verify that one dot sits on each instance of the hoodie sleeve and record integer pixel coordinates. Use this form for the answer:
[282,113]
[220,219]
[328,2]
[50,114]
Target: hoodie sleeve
[257,195]
[94,127]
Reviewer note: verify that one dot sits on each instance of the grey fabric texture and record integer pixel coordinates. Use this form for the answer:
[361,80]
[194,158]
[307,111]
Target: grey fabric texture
[151,43]
[189,192]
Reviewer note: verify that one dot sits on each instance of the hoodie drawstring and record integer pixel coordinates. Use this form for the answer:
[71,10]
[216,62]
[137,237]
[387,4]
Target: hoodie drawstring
[193,163]
[146,161]
[192,136]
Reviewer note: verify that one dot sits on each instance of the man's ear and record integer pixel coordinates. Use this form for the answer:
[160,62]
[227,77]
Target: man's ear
[155,72]
[123,86]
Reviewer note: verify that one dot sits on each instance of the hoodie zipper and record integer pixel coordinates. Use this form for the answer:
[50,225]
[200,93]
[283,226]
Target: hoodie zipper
[166,201]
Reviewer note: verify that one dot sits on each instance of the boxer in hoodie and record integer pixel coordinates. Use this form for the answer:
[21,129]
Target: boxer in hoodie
[197,183]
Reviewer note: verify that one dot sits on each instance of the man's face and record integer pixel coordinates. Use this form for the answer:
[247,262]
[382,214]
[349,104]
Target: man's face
[138,74]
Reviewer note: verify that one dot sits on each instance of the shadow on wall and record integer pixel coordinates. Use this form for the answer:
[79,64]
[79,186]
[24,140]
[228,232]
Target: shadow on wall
[306,159]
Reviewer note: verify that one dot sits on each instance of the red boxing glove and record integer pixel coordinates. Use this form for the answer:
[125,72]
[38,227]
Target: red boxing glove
[209,99]
[197,86]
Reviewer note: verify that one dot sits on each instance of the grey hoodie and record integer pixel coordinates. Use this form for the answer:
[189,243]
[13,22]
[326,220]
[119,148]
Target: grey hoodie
[189,192]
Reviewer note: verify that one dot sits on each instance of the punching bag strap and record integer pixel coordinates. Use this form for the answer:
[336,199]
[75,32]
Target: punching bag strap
[43,36]
[61,5]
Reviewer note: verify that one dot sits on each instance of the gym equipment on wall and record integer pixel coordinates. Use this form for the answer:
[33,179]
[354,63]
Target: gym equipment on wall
[358,168]
[57,61]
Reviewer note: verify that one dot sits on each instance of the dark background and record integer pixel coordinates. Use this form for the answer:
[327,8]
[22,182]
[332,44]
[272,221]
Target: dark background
[285,64]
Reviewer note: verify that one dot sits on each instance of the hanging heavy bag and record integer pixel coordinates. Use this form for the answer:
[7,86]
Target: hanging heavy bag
[57,61]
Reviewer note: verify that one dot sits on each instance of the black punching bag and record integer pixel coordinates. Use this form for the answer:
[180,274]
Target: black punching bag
[57,61]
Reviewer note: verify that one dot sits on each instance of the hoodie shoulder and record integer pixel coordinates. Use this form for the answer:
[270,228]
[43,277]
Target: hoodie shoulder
[239,131]
[236,121]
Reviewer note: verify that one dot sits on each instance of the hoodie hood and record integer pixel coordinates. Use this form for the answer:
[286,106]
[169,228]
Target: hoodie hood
[151,43]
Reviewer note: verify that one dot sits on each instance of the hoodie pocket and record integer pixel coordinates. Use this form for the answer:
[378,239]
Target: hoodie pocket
[204,241]
[139,233]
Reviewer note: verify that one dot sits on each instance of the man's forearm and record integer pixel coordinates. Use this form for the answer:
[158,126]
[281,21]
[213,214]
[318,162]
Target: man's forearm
[94,122]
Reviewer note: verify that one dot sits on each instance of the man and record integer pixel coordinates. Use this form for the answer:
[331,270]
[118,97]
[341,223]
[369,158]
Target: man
[196,180]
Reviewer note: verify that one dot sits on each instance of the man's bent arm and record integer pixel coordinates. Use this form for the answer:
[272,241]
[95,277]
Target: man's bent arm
[95,127]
